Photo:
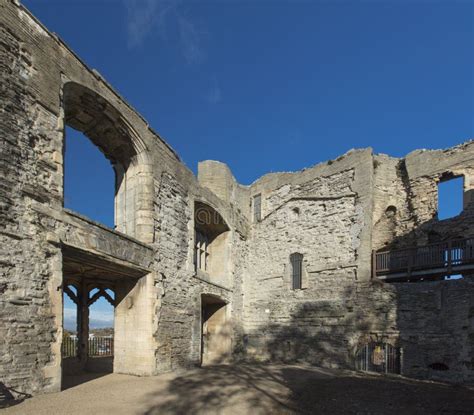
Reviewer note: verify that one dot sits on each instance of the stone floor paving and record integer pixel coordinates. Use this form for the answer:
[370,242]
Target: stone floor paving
[251,389]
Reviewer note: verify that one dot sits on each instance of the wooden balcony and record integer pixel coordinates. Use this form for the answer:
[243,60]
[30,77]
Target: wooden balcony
[432,261]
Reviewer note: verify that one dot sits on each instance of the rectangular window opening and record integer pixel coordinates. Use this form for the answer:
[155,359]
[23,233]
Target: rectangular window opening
[296,270]
[450,198]
[257,208]
[201,252]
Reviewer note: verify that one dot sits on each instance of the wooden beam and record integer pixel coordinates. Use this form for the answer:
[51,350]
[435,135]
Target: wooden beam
[71,295]
[108,298]
[95,297]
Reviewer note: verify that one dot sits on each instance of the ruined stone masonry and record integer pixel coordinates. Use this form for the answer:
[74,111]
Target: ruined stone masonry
[310,266]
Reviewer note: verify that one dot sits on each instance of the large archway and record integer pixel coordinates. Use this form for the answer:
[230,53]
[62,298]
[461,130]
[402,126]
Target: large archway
[89,179]
[89,113]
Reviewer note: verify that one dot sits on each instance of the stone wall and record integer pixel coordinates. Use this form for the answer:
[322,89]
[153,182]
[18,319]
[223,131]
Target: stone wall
[28,335]
[322,214]
[435,321]
[339,307]
[43,87]
[406,197]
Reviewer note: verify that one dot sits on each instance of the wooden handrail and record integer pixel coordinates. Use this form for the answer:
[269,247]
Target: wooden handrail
[446,254]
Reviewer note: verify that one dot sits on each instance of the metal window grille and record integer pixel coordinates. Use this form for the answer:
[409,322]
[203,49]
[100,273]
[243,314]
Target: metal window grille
[296,270]
[379,357]
[257,208]
[201,251]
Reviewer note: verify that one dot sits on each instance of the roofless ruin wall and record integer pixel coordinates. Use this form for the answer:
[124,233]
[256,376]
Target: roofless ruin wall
[333,214]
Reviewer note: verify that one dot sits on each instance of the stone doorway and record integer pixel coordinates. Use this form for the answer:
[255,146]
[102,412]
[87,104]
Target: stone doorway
[87,342]
[87,277]
[215,331]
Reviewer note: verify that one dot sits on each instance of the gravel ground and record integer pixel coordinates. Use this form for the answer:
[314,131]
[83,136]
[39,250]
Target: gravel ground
[251,389]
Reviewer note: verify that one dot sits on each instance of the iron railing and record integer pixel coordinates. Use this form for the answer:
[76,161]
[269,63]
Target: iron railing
[98,346]
[101,346]
[69,347]
[443,255]
[379,357]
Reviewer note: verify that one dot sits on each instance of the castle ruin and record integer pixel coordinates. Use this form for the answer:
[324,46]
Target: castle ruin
[313,266]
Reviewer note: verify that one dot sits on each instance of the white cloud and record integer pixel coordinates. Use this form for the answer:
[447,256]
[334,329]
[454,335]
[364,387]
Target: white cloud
[190,41]
[144,16]
[69,318]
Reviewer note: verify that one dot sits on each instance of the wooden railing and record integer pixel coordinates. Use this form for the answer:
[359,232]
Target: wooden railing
[445,257]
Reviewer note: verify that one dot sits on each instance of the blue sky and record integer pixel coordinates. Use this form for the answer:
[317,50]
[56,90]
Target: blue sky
[273,85]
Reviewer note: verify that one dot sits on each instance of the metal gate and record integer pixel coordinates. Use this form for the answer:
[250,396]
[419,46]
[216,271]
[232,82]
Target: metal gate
[379,357]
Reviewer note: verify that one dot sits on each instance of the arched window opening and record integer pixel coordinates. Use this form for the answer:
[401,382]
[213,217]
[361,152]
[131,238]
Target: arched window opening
[391,211]
[379,357]
[87,112]
[89,182]
[211,246]
[296,261]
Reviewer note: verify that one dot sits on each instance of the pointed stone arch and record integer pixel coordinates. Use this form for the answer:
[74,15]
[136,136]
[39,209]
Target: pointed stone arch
[212,244]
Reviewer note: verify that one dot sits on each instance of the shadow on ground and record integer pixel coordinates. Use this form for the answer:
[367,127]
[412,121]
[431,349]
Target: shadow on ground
[69,381]
[260,389]
[10,397]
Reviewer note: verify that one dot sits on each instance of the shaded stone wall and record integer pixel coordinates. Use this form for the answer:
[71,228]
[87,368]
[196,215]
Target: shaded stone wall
[322,214]
[436,325]
[339,309]
[435,320]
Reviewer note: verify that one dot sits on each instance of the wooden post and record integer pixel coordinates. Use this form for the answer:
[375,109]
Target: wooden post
[450,260]
[83,329]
